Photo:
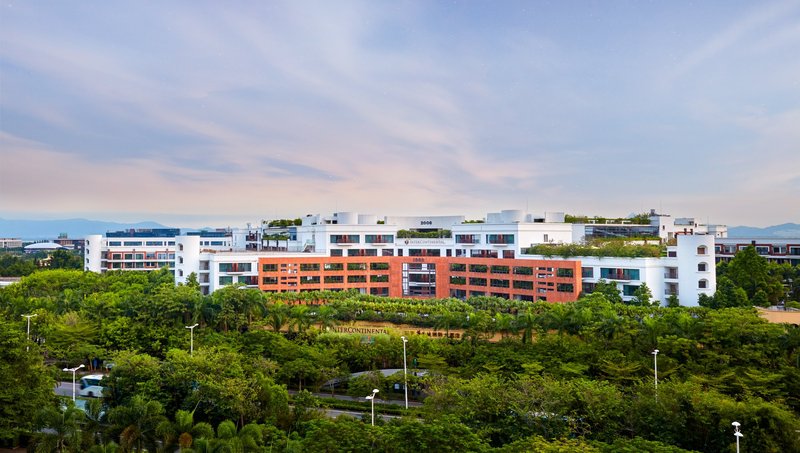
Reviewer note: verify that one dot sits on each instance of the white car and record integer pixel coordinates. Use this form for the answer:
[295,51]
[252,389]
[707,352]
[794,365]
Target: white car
[90,386]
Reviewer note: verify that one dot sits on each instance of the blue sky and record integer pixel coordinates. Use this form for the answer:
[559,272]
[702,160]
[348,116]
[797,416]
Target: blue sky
[219,113]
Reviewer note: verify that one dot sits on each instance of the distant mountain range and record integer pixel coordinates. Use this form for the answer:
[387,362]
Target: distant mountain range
[786,230]
[74,228]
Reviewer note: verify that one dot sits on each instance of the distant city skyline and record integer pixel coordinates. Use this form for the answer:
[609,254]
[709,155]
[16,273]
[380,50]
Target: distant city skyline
[205,114]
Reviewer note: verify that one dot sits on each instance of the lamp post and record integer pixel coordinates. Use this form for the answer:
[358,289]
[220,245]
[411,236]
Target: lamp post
[28,347]
[655,368]
[372,399]
[73,377]
[737,433]
[405,370]
[191,338]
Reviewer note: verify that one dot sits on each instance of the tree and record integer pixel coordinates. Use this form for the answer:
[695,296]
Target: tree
[59,429]
[137,423]
[728,295]
[751,272]
[609,290]
[63,259]
[27,385]
[642,297]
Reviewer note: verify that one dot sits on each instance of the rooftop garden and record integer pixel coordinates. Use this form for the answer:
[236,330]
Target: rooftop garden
[599,248]
[638,219]
[409,234]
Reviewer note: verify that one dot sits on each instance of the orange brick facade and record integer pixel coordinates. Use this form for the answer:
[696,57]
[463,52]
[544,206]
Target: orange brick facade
[441,277]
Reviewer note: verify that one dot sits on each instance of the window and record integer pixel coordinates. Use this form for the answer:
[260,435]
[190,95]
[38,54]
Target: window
[269,280]
[564,272]
[379,266]
[308,267]
[336,252]
[468,239]
[477,281]
[458,267]
[379,278]
[455,280]
[378,238]
[523,270]
[565,287]
[234,267]
[497,283]
[356,279]
[500,238]
[334,279]
[619,274]
[521,284]
[702,250]
[629,290]
[180,247]
[133,243]
[500,269]
[362,252]
[482,268]
[587,272]
[269,268]
[154,243]
[702,267]
[356,266]
[114,243]
[309,280]
[333,267]
[248,280]
[225,280]
[702,284]
[345,239]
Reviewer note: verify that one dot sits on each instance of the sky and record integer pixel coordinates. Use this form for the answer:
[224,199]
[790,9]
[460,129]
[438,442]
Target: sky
[200,113]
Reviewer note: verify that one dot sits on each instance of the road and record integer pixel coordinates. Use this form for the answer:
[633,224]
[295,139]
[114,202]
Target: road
[65,389]
[361,399]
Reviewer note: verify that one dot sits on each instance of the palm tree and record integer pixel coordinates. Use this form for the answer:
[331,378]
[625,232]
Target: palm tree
[326,317]
[277,315]
[138,422]
[60,429]
[526,322]
[300,317]
[183,431]
[93,422]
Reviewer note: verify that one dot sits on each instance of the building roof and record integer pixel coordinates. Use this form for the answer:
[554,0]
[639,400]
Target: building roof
[44,246]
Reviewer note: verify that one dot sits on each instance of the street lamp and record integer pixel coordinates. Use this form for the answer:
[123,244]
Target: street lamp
[655,365]
[737,433]
[405,370]
[372,399]
[28,347]
[73,378]
[191,338]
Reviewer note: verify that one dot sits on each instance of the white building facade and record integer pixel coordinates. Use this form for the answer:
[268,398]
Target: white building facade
[224,257]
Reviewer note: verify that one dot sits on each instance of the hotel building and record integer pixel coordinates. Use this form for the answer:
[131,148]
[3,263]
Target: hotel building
[454,259]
